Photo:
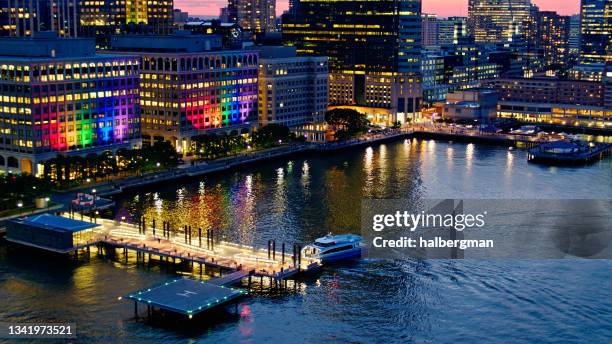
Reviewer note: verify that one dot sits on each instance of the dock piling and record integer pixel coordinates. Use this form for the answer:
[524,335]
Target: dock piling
[283,253]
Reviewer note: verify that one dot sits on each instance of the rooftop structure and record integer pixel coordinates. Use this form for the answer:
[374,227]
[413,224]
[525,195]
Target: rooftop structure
[180,42]
[54,233]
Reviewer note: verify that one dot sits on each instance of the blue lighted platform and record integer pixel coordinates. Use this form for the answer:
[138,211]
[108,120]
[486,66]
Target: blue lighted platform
[186,296]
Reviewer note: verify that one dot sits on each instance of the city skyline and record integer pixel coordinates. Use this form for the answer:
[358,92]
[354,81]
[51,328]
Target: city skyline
[443,8]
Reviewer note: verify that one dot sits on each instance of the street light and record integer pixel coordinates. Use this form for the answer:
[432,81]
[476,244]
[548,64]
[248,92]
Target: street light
[158,164]
[19,204]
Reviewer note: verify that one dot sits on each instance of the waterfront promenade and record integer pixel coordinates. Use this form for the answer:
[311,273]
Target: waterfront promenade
[200,168]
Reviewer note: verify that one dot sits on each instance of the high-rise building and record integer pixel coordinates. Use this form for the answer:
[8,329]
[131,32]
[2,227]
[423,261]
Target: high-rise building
[451,30]
[60,97]
[595,30]
[491,21]
[547,35]
[607,80]
[373,49]
[104,18]
[574,37]
[292,89]
[25,18]
[179,17]
[429,29]
[256,16]
[189,89]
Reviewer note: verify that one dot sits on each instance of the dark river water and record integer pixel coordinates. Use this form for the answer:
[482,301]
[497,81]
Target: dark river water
[302,198]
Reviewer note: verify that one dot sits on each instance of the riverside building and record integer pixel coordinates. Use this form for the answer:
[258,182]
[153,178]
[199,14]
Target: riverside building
[59,97]
[292,89]
[553,101]
[188,88]
[373,49]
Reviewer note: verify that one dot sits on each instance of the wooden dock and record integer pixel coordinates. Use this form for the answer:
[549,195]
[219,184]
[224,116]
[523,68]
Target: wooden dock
[205,250]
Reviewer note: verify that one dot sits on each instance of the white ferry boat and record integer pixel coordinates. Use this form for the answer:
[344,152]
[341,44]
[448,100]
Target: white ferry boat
[334,248]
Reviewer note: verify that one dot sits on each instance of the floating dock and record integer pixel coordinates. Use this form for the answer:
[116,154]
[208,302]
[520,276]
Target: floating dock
[185,296]
[569,153]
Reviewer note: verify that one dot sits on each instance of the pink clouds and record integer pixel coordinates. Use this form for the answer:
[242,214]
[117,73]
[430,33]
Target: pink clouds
[443,8]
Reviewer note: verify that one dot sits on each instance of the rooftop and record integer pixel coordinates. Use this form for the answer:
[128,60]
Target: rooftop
[47,45]
[57,223]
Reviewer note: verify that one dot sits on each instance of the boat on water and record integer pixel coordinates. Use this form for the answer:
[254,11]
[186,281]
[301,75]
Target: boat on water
[334,248]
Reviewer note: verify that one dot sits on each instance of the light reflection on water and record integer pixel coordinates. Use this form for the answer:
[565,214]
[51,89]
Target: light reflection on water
[305,197]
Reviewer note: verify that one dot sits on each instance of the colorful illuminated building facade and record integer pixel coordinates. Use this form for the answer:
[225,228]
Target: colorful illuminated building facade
[59,97]
[189,90]
[103,18]
[492,21]
[373,49]
[595,31]
[292,89]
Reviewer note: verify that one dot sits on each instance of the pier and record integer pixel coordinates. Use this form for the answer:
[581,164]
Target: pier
[195,247]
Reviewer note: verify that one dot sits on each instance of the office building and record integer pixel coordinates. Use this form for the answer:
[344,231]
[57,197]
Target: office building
[25,18]
[373,50]
[188,88]
[549,90]
[451,30]
[255,16]
[179,17]
[59,97]
[553,101]
[292,89]
[491,21]
[608,86]
[553,36]
[574,38]
[429,29]
[587,72]
[104,18]
[595,30]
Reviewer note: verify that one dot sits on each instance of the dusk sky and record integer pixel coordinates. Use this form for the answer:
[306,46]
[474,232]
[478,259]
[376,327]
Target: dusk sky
[442,8]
